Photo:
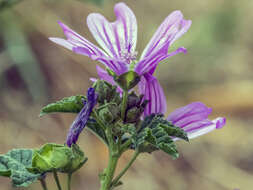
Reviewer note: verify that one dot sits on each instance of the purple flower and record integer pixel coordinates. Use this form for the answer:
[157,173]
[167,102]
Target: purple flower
[118,40]
[193,119]
[82,118]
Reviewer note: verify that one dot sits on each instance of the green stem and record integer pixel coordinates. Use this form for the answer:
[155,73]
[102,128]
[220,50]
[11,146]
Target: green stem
[114,154]
[116,180]
[125,145]
[100,122]
[124,104]
[69,180]
[109,173]
[43,184]
[57,180]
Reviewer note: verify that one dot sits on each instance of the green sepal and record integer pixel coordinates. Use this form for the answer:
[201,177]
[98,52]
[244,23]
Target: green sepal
[128,80]
[72,104]
[15,165]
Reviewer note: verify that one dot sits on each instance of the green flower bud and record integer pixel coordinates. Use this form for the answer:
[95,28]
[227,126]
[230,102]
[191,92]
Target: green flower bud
[57,157]
[106,92]
[109,112]
[51,157]
[78,159]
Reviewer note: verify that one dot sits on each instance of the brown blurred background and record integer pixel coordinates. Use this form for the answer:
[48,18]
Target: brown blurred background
[217,71]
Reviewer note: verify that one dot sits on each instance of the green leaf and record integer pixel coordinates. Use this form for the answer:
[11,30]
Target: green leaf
[15,165]
[128,80]
[155,120]
[72,104]
[156,134]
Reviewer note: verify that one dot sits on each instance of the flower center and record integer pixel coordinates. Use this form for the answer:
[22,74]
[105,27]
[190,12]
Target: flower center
[127,56]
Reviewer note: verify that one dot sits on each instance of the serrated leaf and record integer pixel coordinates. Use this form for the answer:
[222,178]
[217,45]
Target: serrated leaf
[156,133]
[155,120]
[72,104]
[170,149]
[14,164]
[174,131]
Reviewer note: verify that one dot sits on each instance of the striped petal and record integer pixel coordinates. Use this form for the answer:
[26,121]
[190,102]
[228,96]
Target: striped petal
[80,45]
[117,37]
[149,63]
[152,91]
[76,40]
[193,119]
[173,27]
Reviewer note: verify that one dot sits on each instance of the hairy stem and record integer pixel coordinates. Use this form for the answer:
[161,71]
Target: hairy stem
[114,154]
[57,180]
[43,183]
[69,180]
[124,104]
[129,164]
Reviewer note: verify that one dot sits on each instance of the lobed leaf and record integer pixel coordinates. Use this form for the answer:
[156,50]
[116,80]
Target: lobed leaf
[72,104]
[156,133]
[15,165]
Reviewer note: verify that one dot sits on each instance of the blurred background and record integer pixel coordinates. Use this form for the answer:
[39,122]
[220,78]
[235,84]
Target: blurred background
[217,71]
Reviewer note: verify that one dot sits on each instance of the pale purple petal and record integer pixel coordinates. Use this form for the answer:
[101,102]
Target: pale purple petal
[193,119]
[76,40]
[118,36]
[118,66]
[80,45]
[171,29]
[153,92]
[149,63]
[62,42]
[103,75]
[216,124]
[193,112]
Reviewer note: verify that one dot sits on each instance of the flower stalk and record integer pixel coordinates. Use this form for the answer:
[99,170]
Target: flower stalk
[69,180]
[129,164]
[124,104]
[107,176]
[43,183]
[56,178]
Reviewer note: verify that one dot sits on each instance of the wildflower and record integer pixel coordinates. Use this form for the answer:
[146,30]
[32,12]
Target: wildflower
[82,118]
[193,119]
[118,40]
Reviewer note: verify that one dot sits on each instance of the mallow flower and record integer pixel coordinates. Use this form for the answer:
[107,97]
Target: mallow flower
[118,40]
